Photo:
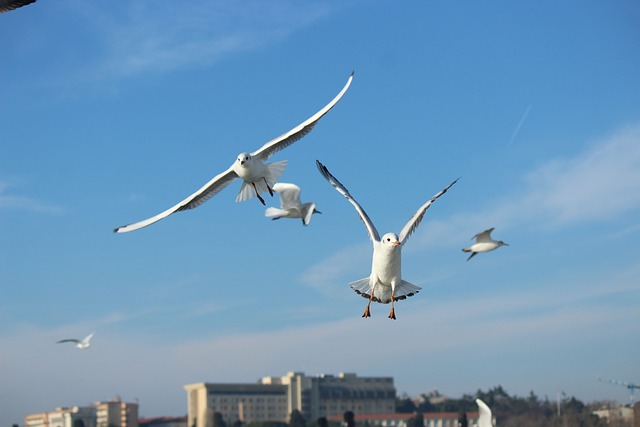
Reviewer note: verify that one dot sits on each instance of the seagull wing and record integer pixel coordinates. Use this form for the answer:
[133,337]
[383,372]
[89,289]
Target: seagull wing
[87,339]
[484,237]
[69,340]
[289,195]
[415,220]
[373,233]
[207,191]
[484,418]
[286,139]
[7,5]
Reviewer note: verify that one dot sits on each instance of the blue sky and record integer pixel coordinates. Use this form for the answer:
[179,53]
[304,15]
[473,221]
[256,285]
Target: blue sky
[111,113]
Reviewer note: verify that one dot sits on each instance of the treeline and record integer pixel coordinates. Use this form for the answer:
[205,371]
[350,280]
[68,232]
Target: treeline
[509,411]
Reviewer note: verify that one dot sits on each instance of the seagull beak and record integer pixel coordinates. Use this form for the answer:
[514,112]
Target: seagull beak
[395,243]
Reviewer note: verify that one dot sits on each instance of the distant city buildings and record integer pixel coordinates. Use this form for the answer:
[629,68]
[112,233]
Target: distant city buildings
[275,398]
[113,413]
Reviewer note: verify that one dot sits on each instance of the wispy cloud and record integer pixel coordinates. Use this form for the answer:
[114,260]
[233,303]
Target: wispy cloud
[143,36]
[24,203]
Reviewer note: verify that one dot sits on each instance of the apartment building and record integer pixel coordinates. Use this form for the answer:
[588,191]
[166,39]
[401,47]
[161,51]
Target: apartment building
[113,413]
[76,416]
[275,398]
[432,419]
[116,413]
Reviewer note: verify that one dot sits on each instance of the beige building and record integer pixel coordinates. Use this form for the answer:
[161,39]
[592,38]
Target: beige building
[116,413]
[75,416]
[275,398]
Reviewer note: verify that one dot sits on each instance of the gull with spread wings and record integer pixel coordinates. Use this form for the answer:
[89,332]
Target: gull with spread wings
[484,243]
[81,344]
[258,177]
[385,284]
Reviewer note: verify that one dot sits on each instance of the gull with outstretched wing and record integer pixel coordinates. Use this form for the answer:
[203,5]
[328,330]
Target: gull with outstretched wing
[484,243]
[385,284]
[83,344]
[258,177]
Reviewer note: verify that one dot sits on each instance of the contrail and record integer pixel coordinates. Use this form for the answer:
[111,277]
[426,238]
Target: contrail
[517,129]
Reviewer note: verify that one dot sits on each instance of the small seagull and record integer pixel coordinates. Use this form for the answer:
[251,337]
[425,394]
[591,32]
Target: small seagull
[290,204]
[484,243]
[258,177]
[385,284]
[7,5]
[485,418]
[83,345]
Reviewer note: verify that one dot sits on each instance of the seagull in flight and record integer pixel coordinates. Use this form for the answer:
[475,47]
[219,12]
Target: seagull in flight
[83,345]
[485,418]
[385,284]
[258,177]
[484,243]
[290,204]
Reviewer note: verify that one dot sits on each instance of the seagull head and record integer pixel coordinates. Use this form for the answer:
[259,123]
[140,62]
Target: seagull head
[391,240]
[501,243]
[243,158]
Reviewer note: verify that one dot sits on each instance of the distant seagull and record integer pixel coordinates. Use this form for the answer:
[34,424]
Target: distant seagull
[83,345]
[485,418]
[484,243]
[7,5]
[258,177]
[290,204]
[385,284]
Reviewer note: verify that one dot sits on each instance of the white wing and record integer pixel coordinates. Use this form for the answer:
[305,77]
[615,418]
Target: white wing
[484,419]
[415,220]
[373,233]
[289,195]
[286,139]
[207,191]
[484,237]
[87,339]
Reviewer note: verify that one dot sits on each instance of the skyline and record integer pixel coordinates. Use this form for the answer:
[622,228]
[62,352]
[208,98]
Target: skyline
[112,113]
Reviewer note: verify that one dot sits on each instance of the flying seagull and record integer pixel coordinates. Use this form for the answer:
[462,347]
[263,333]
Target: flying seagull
[290,204]
[7,5]
[385,284]
[485,418]
[83,345]
[484,243]
[258,177]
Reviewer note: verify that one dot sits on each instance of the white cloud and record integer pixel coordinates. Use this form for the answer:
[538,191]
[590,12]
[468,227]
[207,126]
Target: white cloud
[24,203]
[150,36]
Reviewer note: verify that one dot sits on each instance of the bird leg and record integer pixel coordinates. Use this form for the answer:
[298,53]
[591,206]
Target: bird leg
[258,194]
[392,314]
[367,313]
[268,187]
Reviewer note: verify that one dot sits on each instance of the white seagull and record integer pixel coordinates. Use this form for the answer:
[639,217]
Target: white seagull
[484,243]
[290,204]
[258,177]
[485,418]
[83,345]
[385,284]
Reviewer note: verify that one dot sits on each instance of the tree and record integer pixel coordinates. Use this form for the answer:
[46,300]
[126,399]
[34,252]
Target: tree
[322,422]
[417,421]
[462,420]
[349,418]
[218,420]
[296,419]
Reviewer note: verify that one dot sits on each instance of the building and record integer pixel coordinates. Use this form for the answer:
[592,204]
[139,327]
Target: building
[275,398]
[113,413]
[76,416]
[430,419]
[116,413]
